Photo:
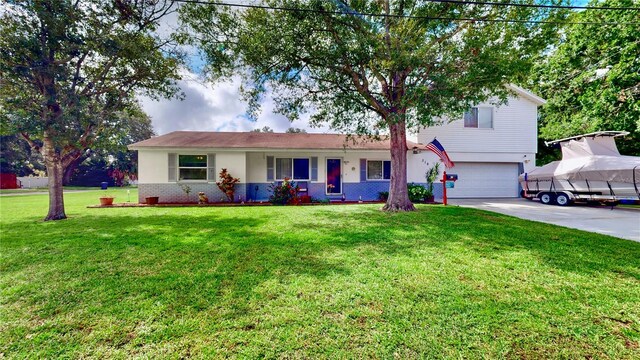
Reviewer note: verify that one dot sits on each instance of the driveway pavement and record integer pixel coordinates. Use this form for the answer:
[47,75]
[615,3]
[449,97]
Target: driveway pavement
[620,222]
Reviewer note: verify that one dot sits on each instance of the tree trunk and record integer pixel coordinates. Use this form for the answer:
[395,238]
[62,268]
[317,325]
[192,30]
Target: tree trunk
[71,168]
[398,195]
[55,172]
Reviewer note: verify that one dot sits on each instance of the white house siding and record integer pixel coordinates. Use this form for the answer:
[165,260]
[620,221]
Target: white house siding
[153,167]
[514,131]
[235,163]
[489,160]
[153,175]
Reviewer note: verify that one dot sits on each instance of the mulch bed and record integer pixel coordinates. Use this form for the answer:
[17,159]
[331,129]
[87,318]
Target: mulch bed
[224,204]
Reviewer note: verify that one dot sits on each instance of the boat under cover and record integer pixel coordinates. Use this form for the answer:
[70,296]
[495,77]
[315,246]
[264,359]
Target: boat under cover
[591,165]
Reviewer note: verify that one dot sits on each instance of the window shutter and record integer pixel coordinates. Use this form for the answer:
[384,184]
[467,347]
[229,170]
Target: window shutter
[363,170]
[314,168]
[211,167]
[386,170]
[173,162]
[270,168]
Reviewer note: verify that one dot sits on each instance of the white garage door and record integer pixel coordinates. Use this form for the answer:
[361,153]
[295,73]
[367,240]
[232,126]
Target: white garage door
[484,180]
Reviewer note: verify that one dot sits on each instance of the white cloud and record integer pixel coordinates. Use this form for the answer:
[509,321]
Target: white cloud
[216,107]
[208,107]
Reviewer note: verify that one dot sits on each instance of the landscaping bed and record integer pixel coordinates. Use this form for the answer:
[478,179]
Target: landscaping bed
[228,204]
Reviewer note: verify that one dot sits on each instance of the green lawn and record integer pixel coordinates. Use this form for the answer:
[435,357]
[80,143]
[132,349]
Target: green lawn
[301,282]
[33,190]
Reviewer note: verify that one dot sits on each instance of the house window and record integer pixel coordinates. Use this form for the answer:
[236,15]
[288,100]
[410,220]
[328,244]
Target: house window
[292,168]
[192,167]
[378,169]
[479,118]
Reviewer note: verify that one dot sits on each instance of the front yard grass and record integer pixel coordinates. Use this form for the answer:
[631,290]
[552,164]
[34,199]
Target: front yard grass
[321,281]
[41,190]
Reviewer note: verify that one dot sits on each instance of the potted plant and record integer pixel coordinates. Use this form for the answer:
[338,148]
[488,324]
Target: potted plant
[106,200]
[428,197]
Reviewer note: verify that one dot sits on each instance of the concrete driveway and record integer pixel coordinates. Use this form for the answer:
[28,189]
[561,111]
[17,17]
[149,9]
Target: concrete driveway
[620,222]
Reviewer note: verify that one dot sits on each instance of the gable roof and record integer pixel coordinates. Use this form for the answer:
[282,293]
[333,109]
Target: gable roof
[256,140]
[527,94]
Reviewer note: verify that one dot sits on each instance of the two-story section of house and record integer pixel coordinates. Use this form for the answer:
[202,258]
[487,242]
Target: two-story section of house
[490,145]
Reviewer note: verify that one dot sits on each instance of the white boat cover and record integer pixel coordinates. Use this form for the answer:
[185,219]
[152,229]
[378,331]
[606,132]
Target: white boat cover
[593,159]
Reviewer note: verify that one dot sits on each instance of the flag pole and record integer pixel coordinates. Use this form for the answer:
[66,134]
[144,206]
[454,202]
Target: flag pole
[444,188]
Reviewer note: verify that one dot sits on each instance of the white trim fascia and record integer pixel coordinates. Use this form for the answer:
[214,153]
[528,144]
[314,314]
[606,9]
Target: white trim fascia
[255,150]
[527,94]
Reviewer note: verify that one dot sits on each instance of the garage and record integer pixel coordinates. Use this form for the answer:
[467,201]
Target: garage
[482,180]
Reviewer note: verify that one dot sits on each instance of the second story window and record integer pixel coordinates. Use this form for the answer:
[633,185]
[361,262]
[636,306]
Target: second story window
[479,118]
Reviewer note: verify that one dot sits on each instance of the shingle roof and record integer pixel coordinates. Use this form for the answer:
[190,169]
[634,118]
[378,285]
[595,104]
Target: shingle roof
[255,140]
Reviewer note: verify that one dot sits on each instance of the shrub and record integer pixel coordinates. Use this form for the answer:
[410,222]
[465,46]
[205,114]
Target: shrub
[227,184]
[187,190]
[432,175]
[285,193]
[383,195]
[417,193]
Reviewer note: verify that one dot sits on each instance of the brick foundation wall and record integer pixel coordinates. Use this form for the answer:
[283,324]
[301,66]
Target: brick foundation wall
[173,193]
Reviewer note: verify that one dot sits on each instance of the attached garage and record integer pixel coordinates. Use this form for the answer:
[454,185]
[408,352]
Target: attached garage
[485,180]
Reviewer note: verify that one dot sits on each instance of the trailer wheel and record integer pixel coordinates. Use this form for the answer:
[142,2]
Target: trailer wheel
[547,198]
[563,199]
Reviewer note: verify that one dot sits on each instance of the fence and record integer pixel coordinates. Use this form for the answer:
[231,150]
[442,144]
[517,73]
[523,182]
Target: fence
[30,182]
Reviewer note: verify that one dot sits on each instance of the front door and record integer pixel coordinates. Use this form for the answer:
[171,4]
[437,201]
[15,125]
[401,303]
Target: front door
[334,176]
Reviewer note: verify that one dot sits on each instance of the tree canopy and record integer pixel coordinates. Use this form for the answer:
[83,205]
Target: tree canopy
[372,66]
[591,79]
[134,125]
[67,68]
[16,157]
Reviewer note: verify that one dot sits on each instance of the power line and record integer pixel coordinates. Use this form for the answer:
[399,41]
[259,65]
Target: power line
[541,6]
[416,17]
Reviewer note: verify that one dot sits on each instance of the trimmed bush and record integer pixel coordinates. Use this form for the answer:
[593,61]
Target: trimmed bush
[417,193]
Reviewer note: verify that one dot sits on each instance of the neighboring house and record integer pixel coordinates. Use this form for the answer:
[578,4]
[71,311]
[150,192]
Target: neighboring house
[491,146]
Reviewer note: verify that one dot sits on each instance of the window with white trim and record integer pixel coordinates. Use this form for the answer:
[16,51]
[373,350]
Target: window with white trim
[293,168]
[479,118]
[378,169]
[192,167]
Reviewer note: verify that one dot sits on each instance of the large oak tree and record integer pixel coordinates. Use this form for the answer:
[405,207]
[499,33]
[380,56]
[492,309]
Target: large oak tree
[67,66]
[372,66]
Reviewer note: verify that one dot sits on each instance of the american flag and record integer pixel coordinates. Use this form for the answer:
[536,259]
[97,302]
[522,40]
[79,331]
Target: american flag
[437,148]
